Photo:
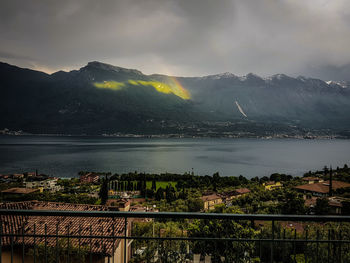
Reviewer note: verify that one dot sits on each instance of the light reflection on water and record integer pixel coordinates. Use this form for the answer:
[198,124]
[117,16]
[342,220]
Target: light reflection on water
[66,156]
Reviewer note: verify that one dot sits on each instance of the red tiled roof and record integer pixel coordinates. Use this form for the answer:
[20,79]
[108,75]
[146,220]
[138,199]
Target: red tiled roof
[331,201]
[19,190]
[85,226]
[322,187]
[211,197]
[242,191]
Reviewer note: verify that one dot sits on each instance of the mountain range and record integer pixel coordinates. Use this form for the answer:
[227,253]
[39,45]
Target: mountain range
[104,99]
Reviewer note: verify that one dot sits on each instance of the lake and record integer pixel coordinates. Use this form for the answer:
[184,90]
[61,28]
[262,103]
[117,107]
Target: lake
[65,156]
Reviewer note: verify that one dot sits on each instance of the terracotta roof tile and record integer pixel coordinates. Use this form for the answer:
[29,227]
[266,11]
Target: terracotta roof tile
[210,197]
[19,190]
[64,224]
[322,187]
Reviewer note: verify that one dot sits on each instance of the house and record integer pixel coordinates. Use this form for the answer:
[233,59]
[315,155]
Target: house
[241,192]
[229,196]
[120,204]
[334,203]
[91,178]
[321,189]
[210,201]
[312,180]
[19,191]
[18,176]
[5,178]
[272,185]
[49,185]
[100,251]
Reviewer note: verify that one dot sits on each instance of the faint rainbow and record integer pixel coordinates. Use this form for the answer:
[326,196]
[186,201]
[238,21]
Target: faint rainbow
[177,83]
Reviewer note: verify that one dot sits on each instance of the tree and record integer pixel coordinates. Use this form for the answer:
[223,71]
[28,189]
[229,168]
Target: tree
[160,194]
[275,177]
[293,204]
[223,229]
[322,206]
[138,185]
[195,205]
[154,185]
[170,194]
[103,194]
[216,178]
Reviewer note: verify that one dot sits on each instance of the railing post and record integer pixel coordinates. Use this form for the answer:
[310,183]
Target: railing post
[294,245]
[113,240]
[102,239]
[90,244]
[305,249]
[334,245]
[34,252]
[0,240]
[260,245]
[45,240]
[57,249]
[284,243]
[12,232]
[317,244]
[340,247]
[272,242]
[125,235]
[329,245]
[68,245]
[22,242]
[79,254]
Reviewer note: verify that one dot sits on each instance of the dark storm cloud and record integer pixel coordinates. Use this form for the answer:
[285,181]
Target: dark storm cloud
[179,37]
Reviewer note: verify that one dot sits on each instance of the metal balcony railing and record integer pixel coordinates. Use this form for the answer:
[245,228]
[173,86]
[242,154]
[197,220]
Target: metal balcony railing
[108,236]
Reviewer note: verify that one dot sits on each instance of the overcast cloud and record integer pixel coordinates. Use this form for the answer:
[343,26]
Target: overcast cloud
[180,37]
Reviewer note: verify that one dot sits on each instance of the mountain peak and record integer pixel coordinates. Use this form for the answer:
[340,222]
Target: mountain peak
[224,75]
[343,84]
[251,77]
[108,67]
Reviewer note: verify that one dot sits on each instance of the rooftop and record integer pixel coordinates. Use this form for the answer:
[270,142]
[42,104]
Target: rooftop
[211,197]
[311,178]
[242,191]
[95,226]
[19,190]
[322,187]
[271,183]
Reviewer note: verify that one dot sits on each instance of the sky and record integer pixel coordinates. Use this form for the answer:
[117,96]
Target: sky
[180,37]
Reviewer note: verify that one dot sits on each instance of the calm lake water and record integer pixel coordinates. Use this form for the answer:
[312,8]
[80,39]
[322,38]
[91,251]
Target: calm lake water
[66,156]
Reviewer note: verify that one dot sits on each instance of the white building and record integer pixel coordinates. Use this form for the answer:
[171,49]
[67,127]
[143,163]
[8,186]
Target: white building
[49,185]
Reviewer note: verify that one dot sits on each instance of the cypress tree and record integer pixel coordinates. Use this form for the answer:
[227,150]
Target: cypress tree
[104,191]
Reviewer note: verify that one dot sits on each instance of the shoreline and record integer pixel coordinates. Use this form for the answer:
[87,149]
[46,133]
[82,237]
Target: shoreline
[186,136]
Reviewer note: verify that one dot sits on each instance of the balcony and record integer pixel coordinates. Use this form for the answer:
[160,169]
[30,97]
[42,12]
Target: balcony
[28,235]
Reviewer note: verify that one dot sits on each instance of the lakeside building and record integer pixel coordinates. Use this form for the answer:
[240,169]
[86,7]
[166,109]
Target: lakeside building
[272,185]
[89,178]
[335,204]
[49,185]
[100,250]
[229,196]
[210,201]
[312,180]
[19,191]
[323,189]
[10,178]
[119,204]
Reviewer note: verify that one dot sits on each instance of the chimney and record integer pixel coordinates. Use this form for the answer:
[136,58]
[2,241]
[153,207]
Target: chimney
[330,182]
